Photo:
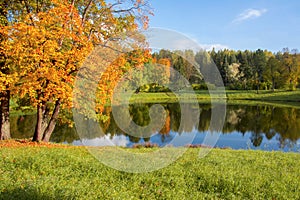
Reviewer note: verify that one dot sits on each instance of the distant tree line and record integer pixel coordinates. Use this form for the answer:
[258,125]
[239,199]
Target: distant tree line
[241,70]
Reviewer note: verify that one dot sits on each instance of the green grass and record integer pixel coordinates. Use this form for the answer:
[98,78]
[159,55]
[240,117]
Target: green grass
[280,95]
[249,97]
[72,173]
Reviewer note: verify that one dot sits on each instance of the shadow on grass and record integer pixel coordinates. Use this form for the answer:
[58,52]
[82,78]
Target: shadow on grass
[30,194]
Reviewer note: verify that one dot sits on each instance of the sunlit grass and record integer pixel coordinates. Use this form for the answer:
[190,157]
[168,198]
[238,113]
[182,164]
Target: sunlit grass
[72,173]
[249,97]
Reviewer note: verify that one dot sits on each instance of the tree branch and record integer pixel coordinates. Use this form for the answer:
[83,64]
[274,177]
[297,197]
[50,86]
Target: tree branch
[126,10]
[28,11]
[85,12]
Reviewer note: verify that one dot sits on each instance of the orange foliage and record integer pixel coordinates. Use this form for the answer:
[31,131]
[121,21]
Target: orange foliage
[47,48]
[114,72]
[167,127]
[29,143]
[46,52]
[167,63]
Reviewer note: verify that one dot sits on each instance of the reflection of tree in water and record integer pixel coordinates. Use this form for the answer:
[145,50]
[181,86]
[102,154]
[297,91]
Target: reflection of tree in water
[133,139]
[167,126]
[265,120]
[270,134]
[256,139]
[64,133]
[140,114]
[205,117]
[288,126]
[261,121]
[175,115]
[22,126]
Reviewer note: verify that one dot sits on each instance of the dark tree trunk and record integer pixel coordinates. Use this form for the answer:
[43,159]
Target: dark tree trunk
[38,127]
[273,84]
[51,125]
[41,123]
[4,95]
[4,113]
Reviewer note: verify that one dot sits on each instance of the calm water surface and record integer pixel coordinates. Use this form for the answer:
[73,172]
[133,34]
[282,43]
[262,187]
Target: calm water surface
[246,127]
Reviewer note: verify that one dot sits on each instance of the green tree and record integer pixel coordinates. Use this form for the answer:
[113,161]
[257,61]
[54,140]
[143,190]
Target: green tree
[291,65]
[189,68]
[245,71]
[259,63]
[207,68]
[273,72]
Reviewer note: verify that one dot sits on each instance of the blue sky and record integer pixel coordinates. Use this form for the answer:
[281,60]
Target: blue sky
[239,25]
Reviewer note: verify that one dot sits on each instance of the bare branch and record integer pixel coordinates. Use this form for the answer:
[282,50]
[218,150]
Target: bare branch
[28,10]
[127,10]
[113,5]
[85,11]
[109,47]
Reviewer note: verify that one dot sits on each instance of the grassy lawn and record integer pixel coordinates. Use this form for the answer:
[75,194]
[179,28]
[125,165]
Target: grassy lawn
[278,98]
[72,173]
[280,95]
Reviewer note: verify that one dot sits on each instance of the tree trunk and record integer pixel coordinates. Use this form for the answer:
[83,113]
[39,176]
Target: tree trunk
[50,128]
[38,127]
[41,123]
[4,113]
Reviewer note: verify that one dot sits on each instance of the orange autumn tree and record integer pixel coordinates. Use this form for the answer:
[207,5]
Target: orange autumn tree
[11,11]
[167,64]
[111,77]
[5,79]
[50,46]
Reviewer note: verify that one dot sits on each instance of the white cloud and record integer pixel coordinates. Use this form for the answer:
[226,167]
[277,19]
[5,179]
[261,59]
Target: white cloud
[249,14]
[160,38]
[195,45]
[217,47]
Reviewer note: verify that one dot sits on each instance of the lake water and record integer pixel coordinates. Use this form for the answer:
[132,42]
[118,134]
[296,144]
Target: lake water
[262,127]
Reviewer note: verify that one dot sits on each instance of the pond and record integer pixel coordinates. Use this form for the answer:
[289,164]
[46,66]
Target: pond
[262,127]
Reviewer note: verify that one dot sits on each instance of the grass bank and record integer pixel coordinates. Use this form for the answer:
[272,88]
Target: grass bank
[278,98]
[72,173]
[280,95]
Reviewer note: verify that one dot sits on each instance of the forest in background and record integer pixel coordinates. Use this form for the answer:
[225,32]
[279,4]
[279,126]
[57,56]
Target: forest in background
[240,70]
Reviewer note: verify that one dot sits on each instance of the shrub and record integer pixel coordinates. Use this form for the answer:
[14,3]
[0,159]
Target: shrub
[203,86]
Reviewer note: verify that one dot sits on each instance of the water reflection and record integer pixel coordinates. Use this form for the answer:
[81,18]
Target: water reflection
[261,126]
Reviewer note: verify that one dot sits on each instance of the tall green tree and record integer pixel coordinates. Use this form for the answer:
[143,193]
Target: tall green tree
[189,68]
[291,66]
[245,70]
[208,70]
[259,64]
[273,72]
